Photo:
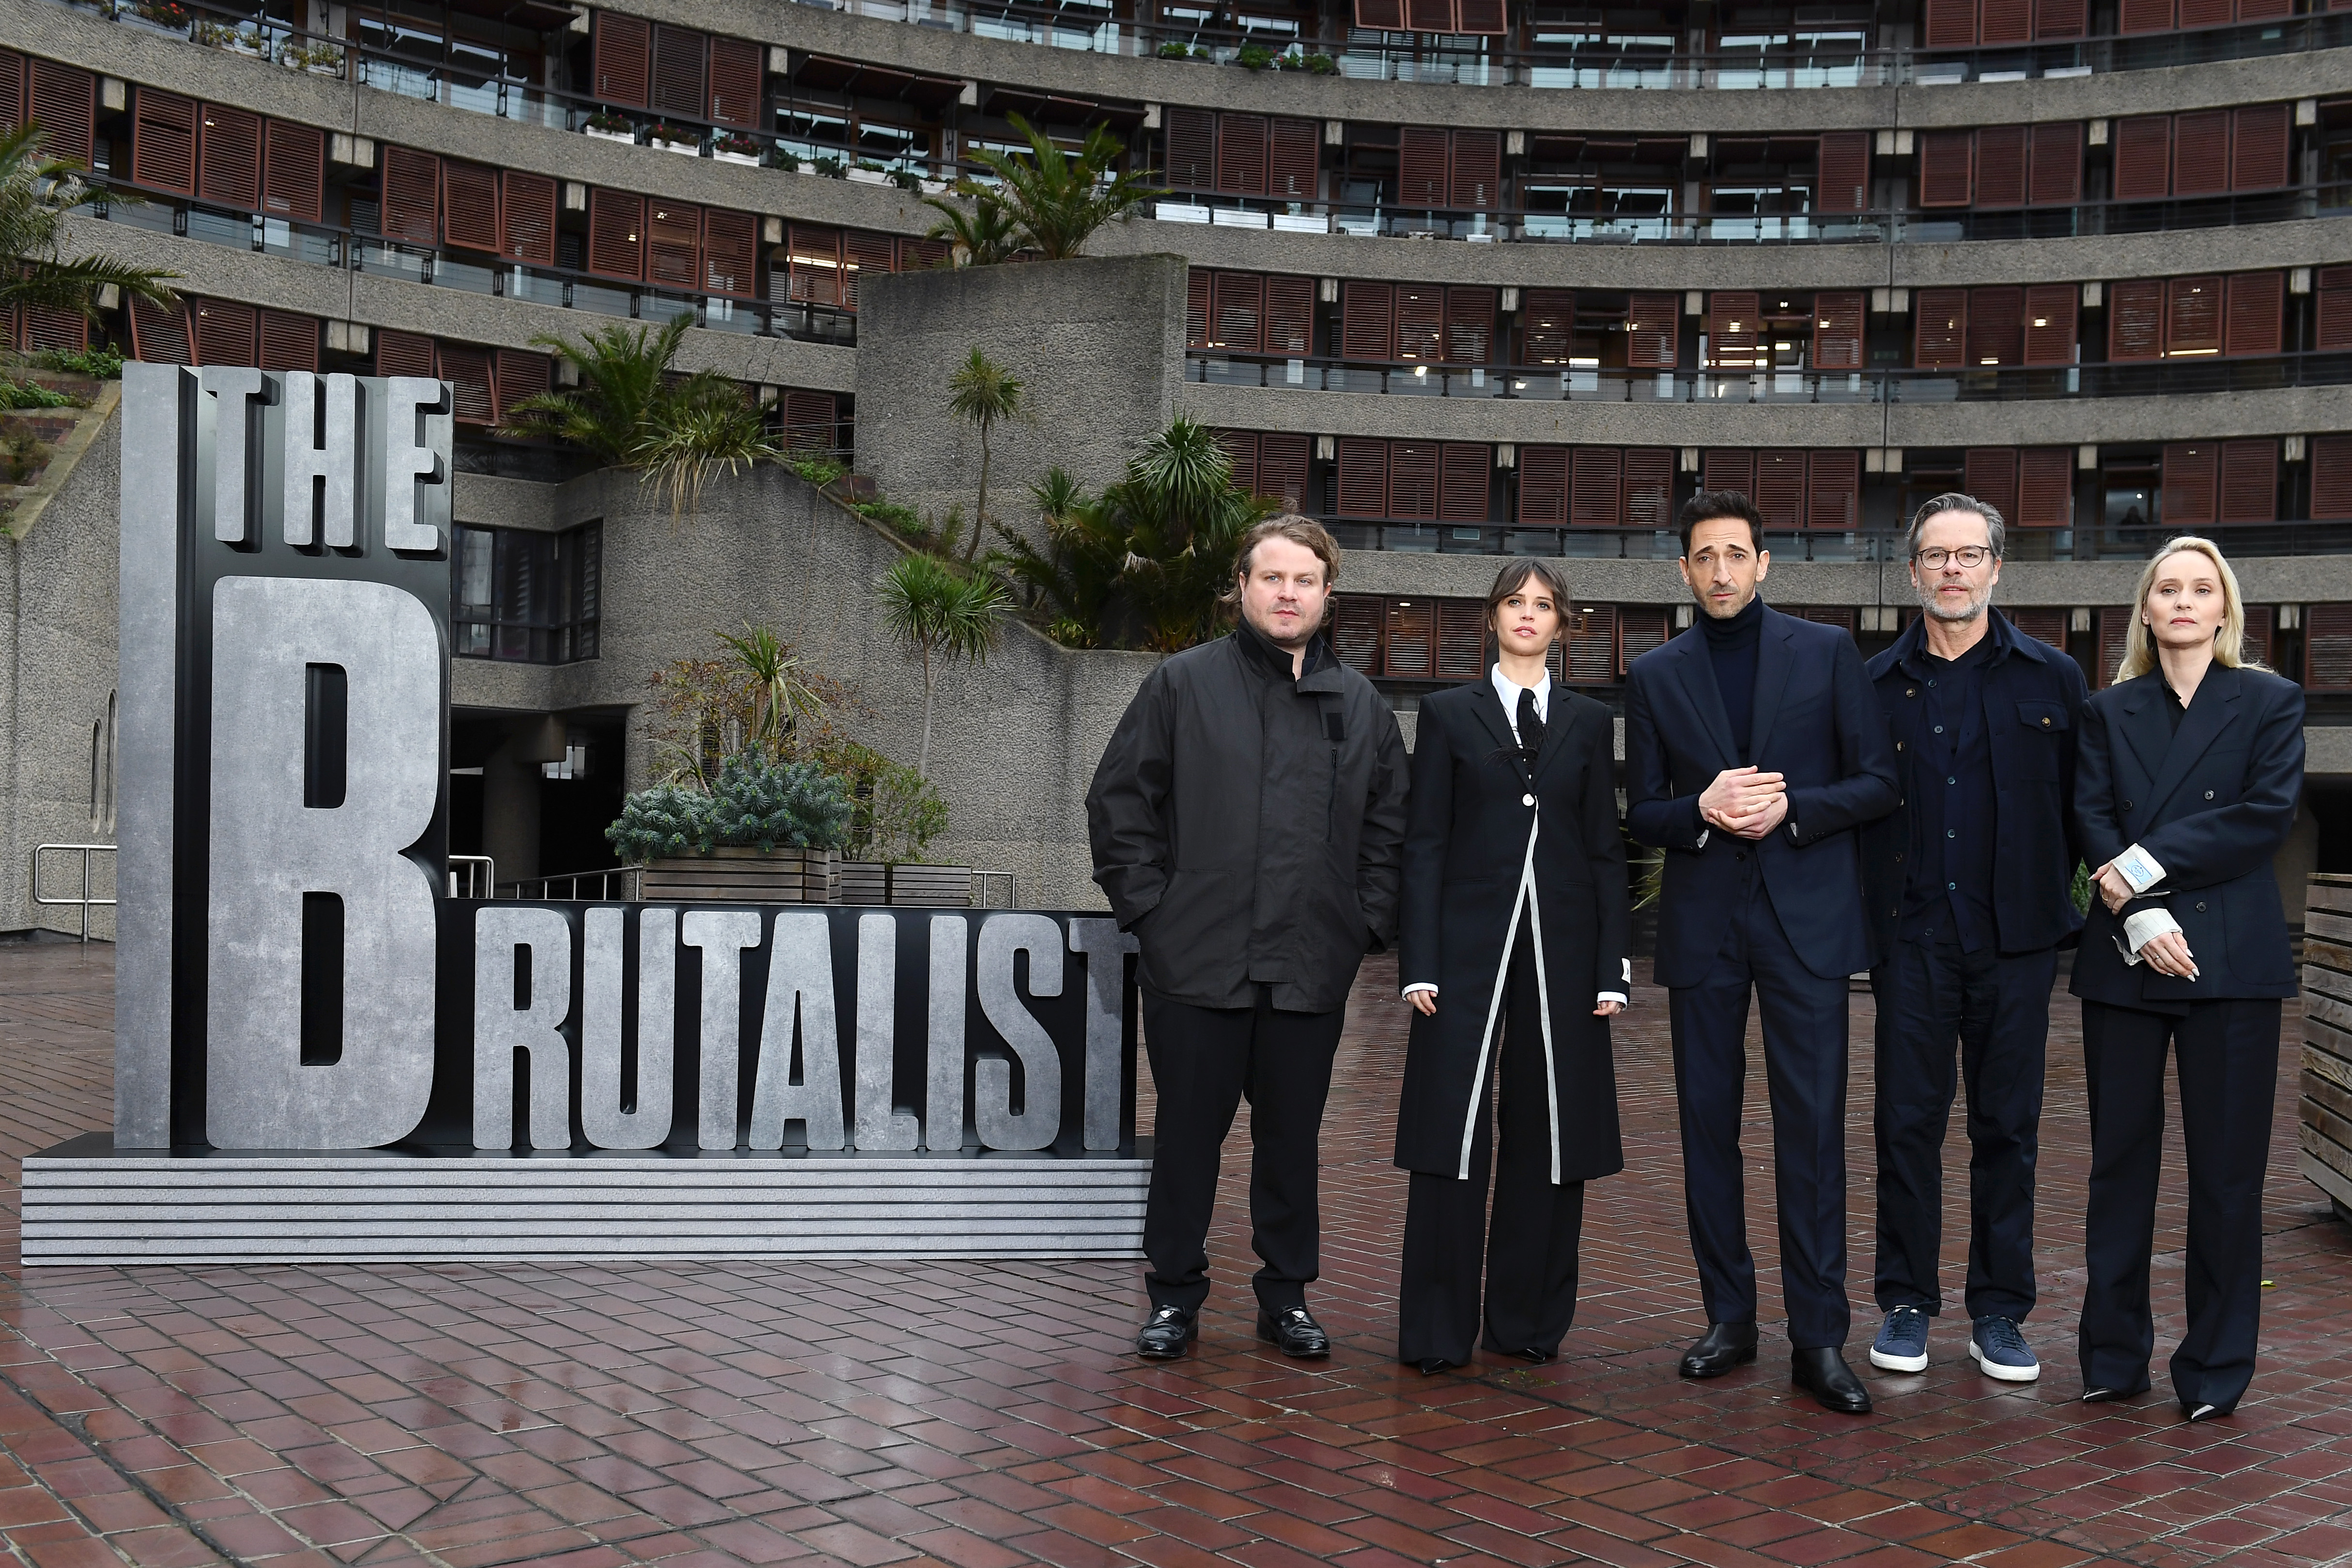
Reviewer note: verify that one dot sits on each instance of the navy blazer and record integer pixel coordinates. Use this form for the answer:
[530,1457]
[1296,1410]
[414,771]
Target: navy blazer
[2212,804]
[1816,722]
[2033,695]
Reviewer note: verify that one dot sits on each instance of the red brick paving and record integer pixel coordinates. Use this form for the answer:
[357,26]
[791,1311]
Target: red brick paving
[988,1416]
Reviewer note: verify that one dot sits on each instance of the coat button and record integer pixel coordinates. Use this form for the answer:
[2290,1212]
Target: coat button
[1526,800]
[2200,907]
[1899,746]
[2208,794]
[2127,805]
[1739,854]
[1912,693]
[2045,721]
[1898,860]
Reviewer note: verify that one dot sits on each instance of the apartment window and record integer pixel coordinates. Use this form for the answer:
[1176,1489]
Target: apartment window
[526,597]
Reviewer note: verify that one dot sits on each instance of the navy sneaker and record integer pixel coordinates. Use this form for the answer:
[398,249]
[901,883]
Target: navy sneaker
[1999,1347]
[1902,1342]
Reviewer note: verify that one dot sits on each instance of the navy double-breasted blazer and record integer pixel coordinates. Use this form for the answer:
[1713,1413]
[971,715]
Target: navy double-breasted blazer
[2211,804]
[1816,722]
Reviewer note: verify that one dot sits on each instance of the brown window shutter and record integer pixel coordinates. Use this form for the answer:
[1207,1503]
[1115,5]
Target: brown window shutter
[2001,166]
[2265,10]
[1945,167]
[403,354]
[1241,154]
[1950,24]
[623,50]
[1240,316]
[1547,325]
[1461,481]
[1412,480]
[1651,325]
[1833,490]
[1419,323]
[1381,16]
[2331,476]
[1837,332]
[2254,638]
[1844,177]
[2115,630]
[163,141]
[12,88]
[225,332]
[527,217]
[1725,469]
[1639,630]
[2201,153]
[2205,13]
[1939,325]
[159,333]
[2328,647]
[1422,172]
[469,205]
[1357,621]
[1290,316]
[65,102]
[2045,495]
[2005,22]
[738,82]
[1592,644]
[1282,467]
[2256,314]
[518,374]
[228,158]
[1460,639]
[2057,176]
[1996,326]
[1649,496]
[921,255]
[412,196]
[812,421]
[1469,326]
[44,327]
[2332,309]
[2192,317]
[674,244]
[1779,493]
[1198,293]
[616,237]
[2257,148]
[1596,493]
[1734,322]
[2143,158]
[1477,169]
[1294,156]
[468,371]
[1363,465]
[293,171]
[2052,311]
[1368,321]
[1543,486]
[1240,447]
[2144,17]
[1410,644]
[1840,616]
[680,55]
[730,253]
[2043,624]
[862,253]
[289,341]
[2135,321]
[1991,474]
[2055,19]
[1189,137]
[2189,481]
[1480,18]
[2249,481]
[1430,16]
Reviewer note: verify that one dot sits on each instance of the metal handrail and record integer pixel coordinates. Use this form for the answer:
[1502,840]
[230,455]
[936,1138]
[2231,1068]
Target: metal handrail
[486,878]
[85,900]
[605,880]
[983,880]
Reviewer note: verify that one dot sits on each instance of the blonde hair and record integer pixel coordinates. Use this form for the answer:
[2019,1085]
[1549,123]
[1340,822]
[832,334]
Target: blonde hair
[2229,639]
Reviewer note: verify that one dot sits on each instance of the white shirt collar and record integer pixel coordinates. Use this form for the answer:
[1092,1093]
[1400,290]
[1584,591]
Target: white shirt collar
[1508,690]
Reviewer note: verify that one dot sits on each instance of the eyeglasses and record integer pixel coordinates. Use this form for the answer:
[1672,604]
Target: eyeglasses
[1969,556]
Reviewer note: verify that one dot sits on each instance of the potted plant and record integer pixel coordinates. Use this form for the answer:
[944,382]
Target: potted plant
[671,139]
[169,16]
[787,160]
[907,181]
[827,165]
[1172,51]
[868,174]
[607,126]
[736,147]
[897,815]
[250,44]
[1319,64]
[1254,57]
[765,831]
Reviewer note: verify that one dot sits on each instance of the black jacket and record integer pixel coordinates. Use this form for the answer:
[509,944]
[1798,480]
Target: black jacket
[2033,696]
[1467,853]
[1816,722]
[2212,804]
[1247,826]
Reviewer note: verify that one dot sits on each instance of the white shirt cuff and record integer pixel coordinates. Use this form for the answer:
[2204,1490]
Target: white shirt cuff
[1702,838]
[2140,869]
[1620,998]
[1420,986]
[2140,928]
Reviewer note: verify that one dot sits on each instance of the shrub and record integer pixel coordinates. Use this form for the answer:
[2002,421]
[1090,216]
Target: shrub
[605,120]
[738,143]
[784,158]
[31,394]
[666,820]
[105,364]
[897,813]
[770,806]
[1321,66]
[903,519]
[907,181]
[1172,51]
[1254,57]
[828,166]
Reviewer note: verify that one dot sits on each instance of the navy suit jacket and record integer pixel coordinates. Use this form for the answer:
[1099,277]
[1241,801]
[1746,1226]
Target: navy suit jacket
[1816,722]
[2212,804]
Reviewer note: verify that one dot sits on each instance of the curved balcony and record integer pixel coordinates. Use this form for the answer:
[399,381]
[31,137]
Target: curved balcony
[1883,545]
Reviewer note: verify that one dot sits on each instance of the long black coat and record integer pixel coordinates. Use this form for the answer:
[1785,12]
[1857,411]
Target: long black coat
[1246,825]
[2212,804]
[1481,837]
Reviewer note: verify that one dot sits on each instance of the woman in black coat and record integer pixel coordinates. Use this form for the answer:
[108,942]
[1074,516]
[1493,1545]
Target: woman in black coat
[2188,769]
[1514,953]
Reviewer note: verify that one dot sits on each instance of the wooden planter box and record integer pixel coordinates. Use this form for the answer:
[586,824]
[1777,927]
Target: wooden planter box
[931,886]
[742,876]
[864,882]
[2326,1106]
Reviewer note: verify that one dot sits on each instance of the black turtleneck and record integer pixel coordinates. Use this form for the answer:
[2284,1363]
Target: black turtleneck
[1731,648]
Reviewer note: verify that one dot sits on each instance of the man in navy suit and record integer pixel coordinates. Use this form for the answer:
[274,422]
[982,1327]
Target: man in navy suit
[1754,752]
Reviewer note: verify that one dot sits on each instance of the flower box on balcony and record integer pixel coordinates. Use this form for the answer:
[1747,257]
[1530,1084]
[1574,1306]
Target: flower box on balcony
[1302,222]
[869,176]
[629,137]
[748,160]
[690,149]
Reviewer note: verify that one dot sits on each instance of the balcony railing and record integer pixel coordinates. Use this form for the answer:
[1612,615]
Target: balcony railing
[2107,542]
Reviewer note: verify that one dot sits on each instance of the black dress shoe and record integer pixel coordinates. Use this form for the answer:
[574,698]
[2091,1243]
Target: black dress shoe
[1168,1333]
[2195,1413]
[1726,1346]
[2101,1394]
[1293,1332]
[1535,1357]
[1824,1374]
[1430,1365]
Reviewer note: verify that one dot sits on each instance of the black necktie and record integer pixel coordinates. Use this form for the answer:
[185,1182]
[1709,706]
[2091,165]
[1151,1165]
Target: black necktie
[1530,726]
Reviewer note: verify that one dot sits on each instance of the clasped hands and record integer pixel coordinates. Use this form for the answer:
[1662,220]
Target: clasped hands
[2167,952]
[1745,802]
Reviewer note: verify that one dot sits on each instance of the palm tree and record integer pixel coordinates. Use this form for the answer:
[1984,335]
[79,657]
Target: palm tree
[982,393]
[1057,200]
[698,431]
[36,194]
[980,235]
[944,615]
[1183,519]
[782,692]
[1076,575]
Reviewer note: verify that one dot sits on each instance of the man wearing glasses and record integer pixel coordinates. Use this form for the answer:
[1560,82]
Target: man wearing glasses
[1968,890]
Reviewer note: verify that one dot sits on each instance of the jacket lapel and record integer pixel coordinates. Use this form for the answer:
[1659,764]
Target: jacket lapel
[1488,705]
[1697,676]
[1555,736]
[2144,726]
[1774,660]
[2210,713]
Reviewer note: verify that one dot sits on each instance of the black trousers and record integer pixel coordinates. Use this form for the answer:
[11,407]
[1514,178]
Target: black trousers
[1931,994]
[2228,1056]
[1529,1248]
[1804,1067]
[1204,1061]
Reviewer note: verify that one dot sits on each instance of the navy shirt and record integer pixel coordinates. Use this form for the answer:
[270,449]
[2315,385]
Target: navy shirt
[1731,648]
[1951,875]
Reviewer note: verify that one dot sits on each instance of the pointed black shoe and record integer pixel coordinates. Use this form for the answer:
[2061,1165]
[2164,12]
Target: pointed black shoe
[1293,1332]
[1726,1346]
[2101,1394]
[1430,1365]
[1168,1333]
[1824,1374]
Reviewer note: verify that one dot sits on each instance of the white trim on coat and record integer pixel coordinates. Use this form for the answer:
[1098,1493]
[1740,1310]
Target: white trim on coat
[1524,899]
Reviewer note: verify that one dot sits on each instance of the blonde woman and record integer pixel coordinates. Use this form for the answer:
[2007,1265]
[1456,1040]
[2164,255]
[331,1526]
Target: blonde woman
[2187,773]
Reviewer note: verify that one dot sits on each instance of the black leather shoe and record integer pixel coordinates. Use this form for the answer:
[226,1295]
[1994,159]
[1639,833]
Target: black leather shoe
[1168,1333]
[1430,1365]
[2195,1413]
[1535,1357]
[1293,1332]
[1824,1374]
[2100,1394]
[1726,1346]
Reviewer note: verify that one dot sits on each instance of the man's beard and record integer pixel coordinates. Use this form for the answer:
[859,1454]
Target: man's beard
[1930,602]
